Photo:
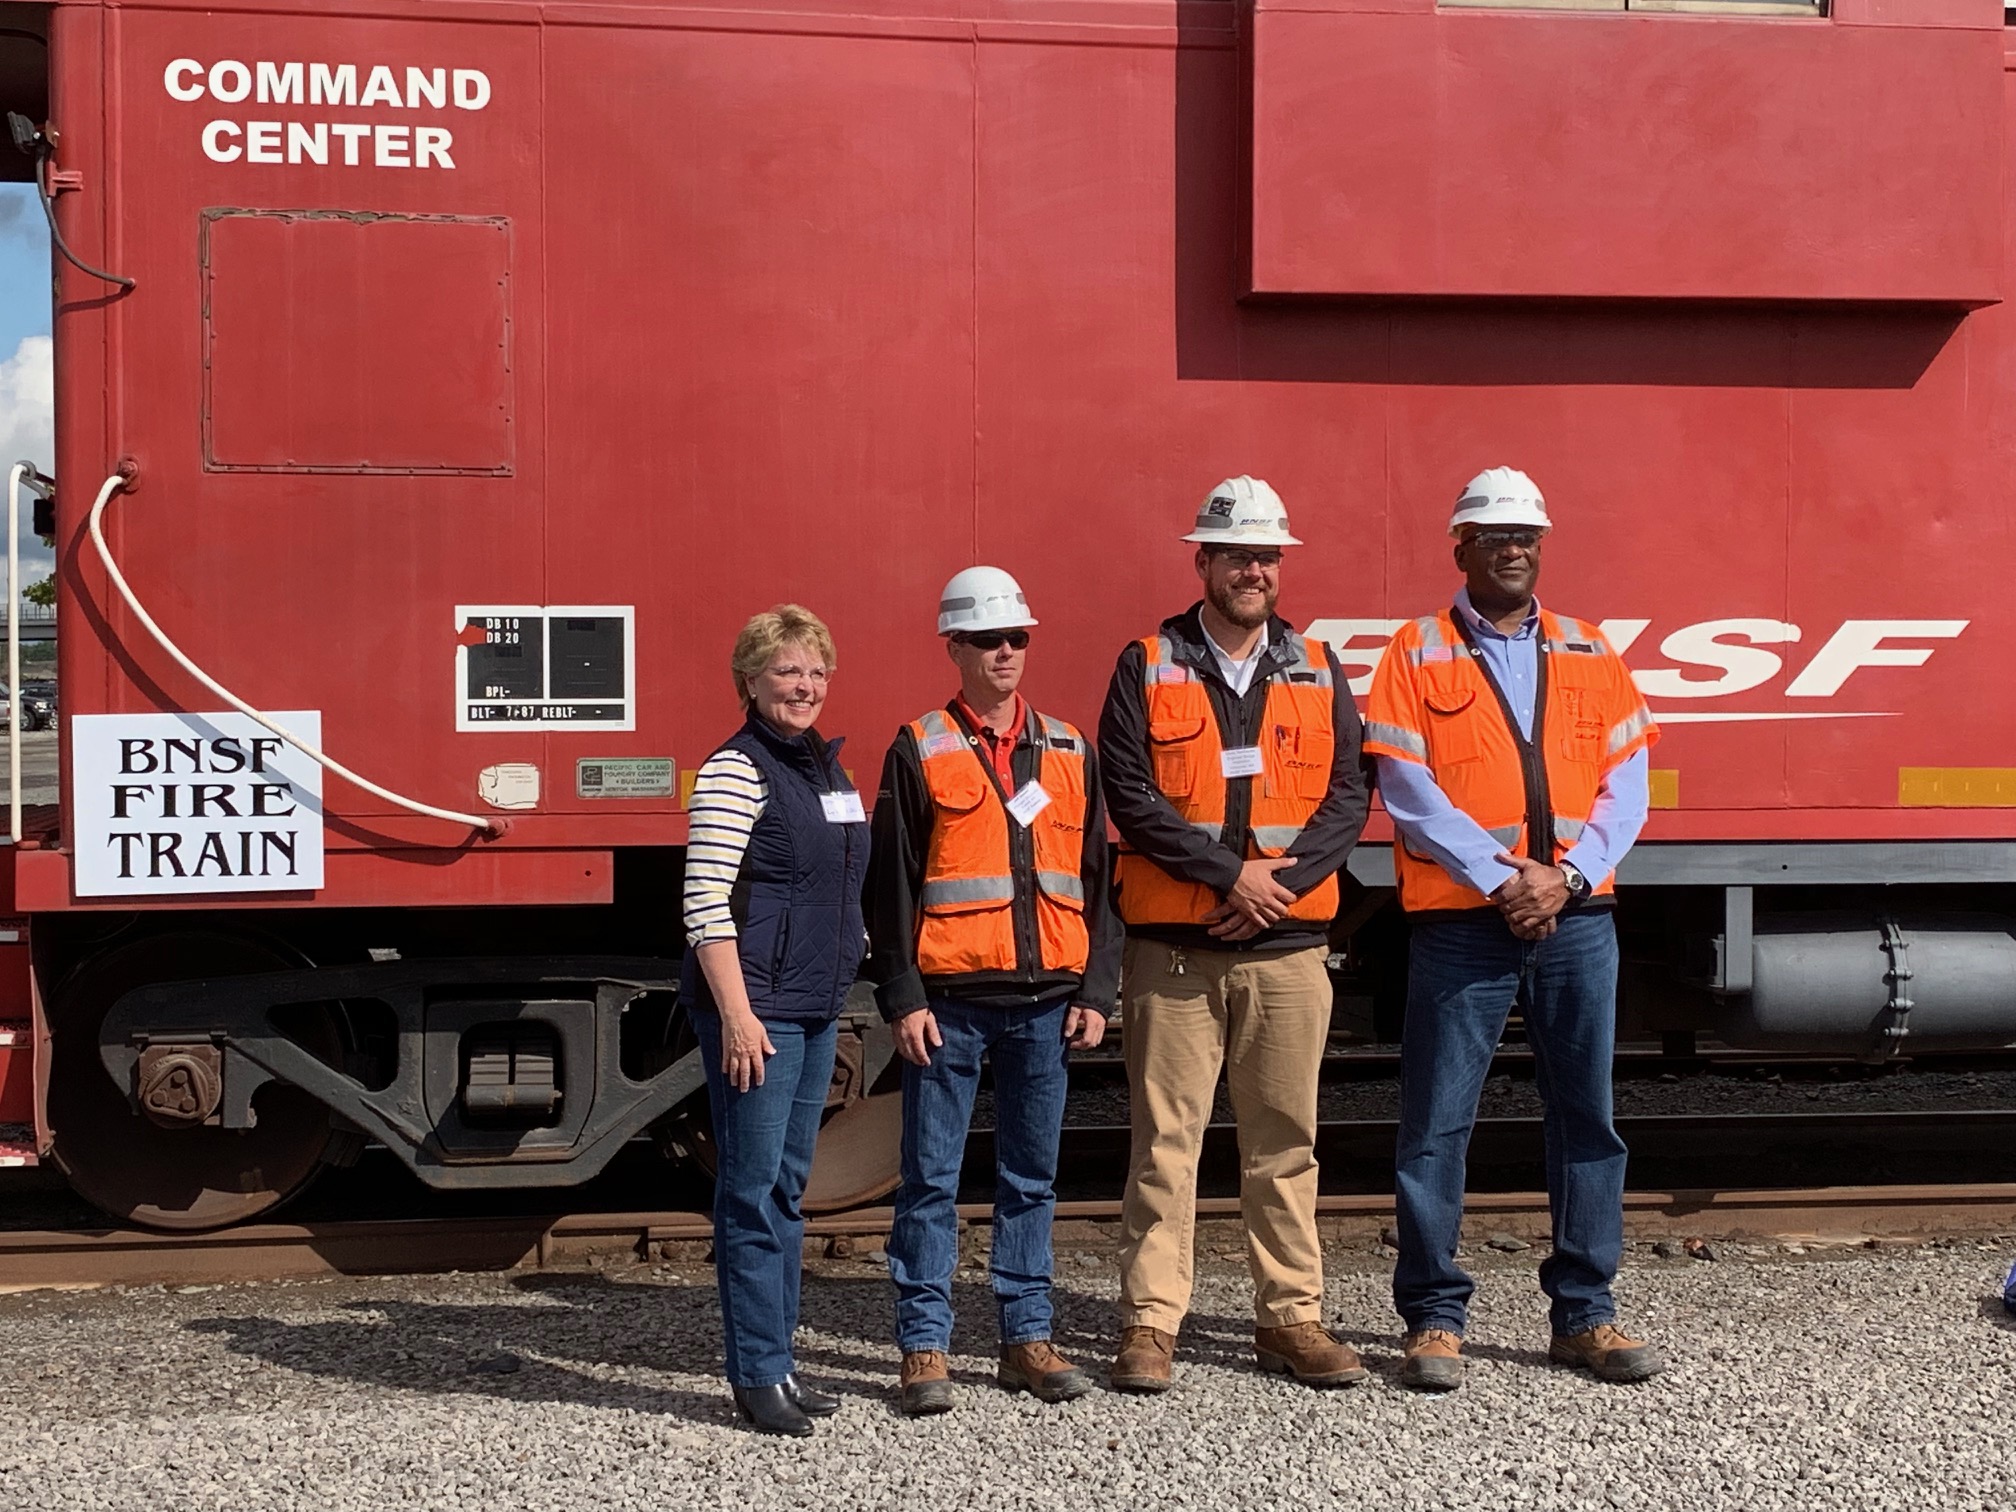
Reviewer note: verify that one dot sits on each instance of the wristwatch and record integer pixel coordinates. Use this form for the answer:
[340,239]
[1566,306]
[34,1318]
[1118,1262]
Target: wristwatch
[1578,885]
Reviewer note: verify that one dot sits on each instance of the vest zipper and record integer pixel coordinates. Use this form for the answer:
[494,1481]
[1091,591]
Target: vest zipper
[1532,752]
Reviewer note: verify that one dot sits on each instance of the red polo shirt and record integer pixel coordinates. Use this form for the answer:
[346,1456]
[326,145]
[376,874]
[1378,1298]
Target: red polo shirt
[998,746]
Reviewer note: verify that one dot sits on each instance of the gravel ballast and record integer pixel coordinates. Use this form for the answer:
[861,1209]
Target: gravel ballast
[1833,1379]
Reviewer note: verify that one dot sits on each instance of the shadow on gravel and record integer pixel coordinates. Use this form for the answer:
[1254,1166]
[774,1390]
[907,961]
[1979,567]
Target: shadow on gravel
[1996,1311]
[571,1344]
[554,1353]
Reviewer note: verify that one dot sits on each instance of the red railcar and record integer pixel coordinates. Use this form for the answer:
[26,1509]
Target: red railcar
[484,363]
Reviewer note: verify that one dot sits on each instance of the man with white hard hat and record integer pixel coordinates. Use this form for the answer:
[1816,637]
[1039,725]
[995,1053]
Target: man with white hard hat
[1232,773]
[993,938]
[1512,753]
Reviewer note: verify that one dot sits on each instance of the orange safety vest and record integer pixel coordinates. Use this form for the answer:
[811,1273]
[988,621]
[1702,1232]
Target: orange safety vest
[1434,703]
[967,904]
[1298,742]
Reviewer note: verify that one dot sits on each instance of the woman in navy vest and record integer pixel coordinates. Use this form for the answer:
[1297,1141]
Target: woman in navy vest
[776,854]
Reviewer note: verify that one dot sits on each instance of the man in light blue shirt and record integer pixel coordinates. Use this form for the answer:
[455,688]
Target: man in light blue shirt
[1511,746]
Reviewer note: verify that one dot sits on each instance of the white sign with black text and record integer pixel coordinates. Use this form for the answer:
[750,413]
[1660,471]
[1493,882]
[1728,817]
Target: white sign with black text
[194,803]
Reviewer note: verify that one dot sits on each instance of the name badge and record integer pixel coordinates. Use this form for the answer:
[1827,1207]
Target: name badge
[1241,761]
[842,808]
[1028,803]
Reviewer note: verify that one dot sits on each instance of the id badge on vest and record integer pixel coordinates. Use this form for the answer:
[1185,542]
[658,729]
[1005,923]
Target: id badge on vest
[1241,761]
[843,808]
[1029,801]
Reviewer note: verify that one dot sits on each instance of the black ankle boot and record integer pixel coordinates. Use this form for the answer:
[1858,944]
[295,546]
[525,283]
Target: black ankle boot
[771,1410]
[809,1400]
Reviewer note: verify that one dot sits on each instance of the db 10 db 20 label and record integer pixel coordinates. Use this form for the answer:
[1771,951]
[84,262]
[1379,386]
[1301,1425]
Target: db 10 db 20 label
[624,776]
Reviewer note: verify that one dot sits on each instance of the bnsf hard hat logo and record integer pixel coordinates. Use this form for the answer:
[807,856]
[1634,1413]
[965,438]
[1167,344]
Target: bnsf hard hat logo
[415,139]
[1712,659]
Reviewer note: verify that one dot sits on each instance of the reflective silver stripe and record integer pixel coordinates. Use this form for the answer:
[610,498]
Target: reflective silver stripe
[969,890]
[1056,729]
[1430,627]
[1062,884]
[1401,740]
[1207,827]
[1630,728]
[1160,658]
[1276,837]
[938,722]
[1567,831]
[1506,834]
[1314,662]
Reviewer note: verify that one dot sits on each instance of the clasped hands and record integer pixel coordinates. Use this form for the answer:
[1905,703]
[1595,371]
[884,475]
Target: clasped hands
[1532,898]
[1255,902]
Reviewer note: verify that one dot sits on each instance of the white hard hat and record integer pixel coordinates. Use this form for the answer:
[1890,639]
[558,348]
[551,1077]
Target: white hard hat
[982,598]
[1242,511]
[1500,496]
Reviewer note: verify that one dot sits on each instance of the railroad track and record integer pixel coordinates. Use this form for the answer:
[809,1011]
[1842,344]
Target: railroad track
[280,1251]
[1742,1144]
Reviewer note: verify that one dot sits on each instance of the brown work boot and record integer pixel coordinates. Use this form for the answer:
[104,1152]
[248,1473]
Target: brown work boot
[1309,1353]
[1042,1372]
[1433,1360]
[1609,1352]
[1143,1362]
[926,1384]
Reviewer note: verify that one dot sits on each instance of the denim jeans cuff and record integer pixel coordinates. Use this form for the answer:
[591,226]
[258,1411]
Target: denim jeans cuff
[1025,1336]
[941,1345]
[1455,1325]
[1568,1329]
[760,1382]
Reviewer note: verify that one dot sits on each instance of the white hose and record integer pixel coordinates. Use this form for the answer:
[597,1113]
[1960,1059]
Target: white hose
[111,486]
[14,476]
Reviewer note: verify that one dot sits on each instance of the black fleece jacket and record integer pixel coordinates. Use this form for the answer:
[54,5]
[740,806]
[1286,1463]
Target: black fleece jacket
[1149,823]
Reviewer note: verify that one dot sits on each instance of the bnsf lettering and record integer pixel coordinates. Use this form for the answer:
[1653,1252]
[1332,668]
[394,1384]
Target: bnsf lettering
[350,86]
[1713,659]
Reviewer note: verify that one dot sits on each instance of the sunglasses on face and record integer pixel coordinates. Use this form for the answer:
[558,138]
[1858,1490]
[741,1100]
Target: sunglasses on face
[1498,540]
[994,640]
[1239,561]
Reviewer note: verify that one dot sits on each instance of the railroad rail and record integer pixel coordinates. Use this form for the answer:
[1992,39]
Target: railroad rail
[280,1251]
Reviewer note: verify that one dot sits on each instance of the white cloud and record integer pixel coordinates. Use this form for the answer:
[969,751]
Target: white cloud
[28,433]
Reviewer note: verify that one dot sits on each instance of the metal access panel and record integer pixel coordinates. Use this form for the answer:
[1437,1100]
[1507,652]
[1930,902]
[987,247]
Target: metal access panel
[298,376]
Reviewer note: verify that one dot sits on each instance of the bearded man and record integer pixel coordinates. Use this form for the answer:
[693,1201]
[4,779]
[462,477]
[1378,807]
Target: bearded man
[1230,756]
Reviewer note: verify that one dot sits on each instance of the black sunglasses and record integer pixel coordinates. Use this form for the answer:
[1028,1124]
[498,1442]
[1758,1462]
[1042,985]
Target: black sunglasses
[994,640]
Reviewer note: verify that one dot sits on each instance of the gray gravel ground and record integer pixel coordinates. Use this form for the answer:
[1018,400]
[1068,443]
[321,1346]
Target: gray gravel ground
[1835,1379]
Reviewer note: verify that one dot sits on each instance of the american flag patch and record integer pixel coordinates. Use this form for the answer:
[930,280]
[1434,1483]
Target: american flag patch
[1437,654]
[944,745]
[1169,672]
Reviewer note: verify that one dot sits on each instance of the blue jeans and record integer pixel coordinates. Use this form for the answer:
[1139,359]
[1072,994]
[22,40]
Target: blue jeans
[764,1139]
[1463,976]
[1026,1048]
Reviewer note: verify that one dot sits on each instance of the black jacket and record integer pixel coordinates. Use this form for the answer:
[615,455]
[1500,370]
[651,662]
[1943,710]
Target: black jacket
[1150,824]
[901,845]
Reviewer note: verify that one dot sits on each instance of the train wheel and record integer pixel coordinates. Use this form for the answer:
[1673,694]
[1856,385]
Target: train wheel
[859,1156]
[165,1177]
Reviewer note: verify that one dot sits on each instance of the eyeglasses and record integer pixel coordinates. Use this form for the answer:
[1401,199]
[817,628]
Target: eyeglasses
[994,640]
[1239,561]
[1498,540]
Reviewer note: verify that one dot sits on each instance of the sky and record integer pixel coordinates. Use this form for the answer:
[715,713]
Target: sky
[26,388]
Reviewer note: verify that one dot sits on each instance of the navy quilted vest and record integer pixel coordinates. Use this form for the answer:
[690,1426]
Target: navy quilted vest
[797,899]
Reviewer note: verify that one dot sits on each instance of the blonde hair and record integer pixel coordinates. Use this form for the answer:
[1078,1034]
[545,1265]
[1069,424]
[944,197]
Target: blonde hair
[769,632]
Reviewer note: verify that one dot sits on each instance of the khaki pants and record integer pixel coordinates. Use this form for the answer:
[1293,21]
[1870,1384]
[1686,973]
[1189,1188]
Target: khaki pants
[1263,1016]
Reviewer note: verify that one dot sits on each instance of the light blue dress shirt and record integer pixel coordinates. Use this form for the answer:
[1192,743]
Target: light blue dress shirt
[1432,825]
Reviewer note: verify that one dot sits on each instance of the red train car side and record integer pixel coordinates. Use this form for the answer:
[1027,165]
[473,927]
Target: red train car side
[473,368]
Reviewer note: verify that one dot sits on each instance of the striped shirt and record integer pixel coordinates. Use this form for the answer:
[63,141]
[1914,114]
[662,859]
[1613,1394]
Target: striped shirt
[729,796]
